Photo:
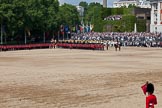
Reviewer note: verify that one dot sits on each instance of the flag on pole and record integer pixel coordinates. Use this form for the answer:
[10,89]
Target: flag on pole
[91,27]
[62,29]
[66,28]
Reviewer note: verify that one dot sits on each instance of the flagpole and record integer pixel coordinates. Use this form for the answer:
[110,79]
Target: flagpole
[58,35]
[1,34]
[63,35]
[25,37]
[67,35]
[44,37]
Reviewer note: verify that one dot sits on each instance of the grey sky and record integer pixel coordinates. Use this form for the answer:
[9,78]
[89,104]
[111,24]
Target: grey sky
[76,2]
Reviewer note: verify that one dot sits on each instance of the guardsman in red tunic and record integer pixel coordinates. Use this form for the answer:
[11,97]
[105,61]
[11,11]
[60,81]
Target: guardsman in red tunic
[151,99]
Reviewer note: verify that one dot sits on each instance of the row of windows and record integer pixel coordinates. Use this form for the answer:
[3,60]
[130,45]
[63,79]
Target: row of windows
[124,4]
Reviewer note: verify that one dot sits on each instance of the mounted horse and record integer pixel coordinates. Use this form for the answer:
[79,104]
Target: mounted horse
[117,46]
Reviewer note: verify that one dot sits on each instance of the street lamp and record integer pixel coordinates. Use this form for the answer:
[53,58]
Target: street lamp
[135,25]
[80,9]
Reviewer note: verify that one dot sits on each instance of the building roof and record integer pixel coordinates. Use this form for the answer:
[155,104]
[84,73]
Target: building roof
[126,0]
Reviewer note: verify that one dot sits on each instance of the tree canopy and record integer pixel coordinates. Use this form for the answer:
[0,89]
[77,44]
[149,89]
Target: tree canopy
[26,19]
[40,20]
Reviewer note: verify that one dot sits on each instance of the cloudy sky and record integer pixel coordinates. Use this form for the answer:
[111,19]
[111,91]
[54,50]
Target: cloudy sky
[76,2]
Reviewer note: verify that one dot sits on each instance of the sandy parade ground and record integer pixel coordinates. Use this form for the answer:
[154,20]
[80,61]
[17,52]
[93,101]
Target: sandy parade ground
[64,78]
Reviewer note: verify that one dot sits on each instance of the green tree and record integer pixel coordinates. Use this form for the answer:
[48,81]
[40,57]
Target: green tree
[5,17]
[84,5]
[94,15]
[23,17]
[132,6]
[68,15]
[49,8]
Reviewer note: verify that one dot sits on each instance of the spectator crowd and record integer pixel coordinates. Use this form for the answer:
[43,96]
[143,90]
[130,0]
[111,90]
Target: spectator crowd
[113,17]
[125,39]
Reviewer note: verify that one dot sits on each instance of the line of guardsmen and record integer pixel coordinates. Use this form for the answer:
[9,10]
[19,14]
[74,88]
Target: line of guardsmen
[105,43]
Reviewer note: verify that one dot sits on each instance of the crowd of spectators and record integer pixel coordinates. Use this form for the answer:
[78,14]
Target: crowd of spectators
[126,38]
[113,17]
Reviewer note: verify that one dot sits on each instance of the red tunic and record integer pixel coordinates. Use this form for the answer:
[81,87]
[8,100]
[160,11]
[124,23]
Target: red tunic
[151,101]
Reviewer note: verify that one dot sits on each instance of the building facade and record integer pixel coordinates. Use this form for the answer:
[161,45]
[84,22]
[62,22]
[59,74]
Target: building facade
[143,14]
[121,3]
[144,4]
[156,16]
[105,3]
[126,3]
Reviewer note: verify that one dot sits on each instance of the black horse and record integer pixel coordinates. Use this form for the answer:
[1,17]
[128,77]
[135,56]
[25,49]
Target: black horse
[117,46]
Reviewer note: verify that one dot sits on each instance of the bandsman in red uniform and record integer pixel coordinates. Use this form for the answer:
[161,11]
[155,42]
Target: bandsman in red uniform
[151,99]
